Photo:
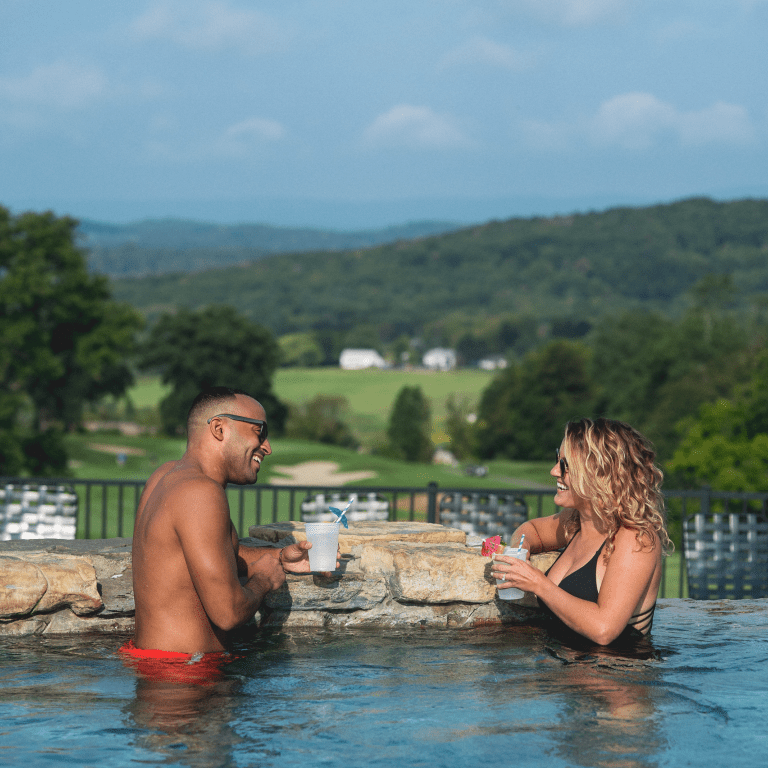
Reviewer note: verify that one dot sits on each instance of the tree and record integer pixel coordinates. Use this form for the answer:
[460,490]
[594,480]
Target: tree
[213,346]
[717,450]
[459,425]
[321,420]
[524,410]
[653,372]
[65,342]
[12,460]
[726,444]
[300,349]
[632,358]
[409,426]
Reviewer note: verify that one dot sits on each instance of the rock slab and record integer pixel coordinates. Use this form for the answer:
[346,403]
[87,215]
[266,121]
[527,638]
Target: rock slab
[364,532]
[55,586]
[413,574]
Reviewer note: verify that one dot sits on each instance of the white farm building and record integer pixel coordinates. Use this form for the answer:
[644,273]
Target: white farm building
[439,359]
[358,359]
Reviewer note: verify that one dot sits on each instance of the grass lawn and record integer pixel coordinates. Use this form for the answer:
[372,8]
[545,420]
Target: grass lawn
[95,456]
[670,586]
[370,393]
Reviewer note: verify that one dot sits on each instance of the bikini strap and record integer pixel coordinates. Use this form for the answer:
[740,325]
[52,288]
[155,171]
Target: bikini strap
[644,620]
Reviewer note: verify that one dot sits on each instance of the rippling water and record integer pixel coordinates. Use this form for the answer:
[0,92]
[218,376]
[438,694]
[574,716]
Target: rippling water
[512,696]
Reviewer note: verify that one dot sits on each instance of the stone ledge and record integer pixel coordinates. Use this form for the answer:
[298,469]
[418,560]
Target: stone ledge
[364,532]
[85,586]
[391,574]
[412,574]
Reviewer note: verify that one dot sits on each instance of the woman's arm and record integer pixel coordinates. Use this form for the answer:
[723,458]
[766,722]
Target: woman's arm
[542,534]
[626,582]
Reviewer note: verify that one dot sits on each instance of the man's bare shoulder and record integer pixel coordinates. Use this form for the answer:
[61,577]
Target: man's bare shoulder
[180,485]
[181,479]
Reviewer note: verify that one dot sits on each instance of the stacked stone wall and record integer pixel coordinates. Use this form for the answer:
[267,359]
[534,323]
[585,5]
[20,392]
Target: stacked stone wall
[391,574]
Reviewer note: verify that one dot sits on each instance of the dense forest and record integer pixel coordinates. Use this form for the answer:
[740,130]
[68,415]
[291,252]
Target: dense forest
[503,287]
[657,316]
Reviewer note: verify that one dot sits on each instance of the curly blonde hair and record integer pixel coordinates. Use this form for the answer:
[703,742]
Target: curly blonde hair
[611,465]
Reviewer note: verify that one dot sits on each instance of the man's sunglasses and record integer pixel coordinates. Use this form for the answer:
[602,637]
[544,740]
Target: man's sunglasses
[562,462]
[262,425]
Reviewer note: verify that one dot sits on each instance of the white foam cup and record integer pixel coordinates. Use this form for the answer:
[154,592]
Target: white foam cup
[509,593]
[324,538]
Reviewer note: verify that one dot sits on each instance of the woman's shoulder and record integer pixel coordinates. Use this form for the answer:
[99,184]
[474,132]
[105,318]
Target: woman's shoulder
[635,538]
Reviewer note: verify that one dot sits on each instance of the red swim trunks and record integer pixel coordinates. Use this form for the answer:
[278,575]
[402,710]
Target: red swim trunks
[198,668]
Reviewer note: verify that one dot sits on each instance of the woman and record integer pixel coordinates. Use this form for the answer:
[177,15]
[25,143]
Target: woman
[612,532]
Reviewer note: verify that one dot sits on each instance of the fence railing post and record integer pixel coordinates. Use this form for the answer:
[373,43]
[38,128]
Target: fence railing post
[432,502]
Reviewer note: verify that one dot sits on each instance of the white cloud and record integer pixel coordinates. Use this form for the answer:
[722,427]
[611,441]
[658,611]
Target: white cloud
[722,123]
[579,13]
[241,139]
[633,120]
[415,127]
[65,85]
[639,120]
[209,26]
[481,50]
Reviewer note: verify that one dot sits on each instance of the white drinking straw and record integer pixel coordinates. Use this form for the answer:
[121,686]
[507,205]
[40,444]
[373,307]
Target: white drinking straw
[341,514]
[520,545]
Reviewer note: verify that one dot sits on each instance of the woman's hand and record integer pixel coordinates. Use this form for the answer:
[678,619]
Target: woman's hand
[516,573]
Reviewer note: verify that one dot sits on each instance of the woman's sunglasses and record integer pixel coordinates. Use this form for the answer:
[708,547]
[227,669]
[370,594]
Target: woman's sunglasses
[562,462]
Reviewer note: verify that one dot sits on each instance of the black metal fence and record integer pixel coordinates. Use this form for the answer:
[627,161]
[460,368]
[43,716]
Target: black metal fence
[105,508]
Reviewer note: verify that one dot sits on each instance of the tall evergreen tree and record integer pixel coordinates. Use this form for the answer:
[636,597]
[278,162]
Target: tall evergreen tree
[409,425]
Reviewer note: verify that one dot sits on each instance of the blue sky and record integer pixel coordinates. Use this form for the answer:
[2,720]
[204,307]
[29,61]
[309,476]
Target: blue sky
[350,114]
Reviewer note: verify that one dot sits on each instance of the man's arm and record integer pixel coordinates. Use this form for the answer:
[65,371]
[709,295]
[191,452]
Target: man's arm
[202,522]
[293,558]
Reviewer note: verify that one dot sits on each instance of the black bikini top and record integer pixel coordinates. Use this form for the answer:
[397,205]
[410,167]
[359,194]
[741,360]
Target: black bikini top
[582,583]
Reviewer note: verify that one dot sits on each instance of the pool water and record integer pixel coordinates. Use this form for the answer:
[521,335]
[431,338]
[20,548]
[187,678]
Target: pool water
[497,696]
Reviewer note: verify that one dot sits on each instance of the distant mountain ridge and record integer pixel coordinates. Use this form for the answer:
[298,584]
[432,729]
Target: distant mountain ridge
[522,279]
[156,246]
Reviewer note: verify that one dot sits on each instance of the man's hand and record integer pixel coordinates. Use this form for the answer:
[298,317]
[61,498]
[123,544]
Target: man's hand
[265,573]
[291,559]
[295,558]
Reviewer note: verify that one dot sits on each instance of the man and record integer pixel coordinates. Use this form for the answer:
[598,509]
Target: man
[187,558]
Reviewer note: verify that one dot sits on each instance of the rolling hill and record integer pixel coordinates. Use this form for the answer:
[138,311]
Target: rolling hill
[176,245]
[528,276]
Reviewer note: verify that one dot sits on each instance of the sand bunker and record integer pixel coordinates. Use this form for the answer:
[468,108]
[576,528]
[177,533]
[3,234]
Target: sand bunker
[117,449]
[317,473]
